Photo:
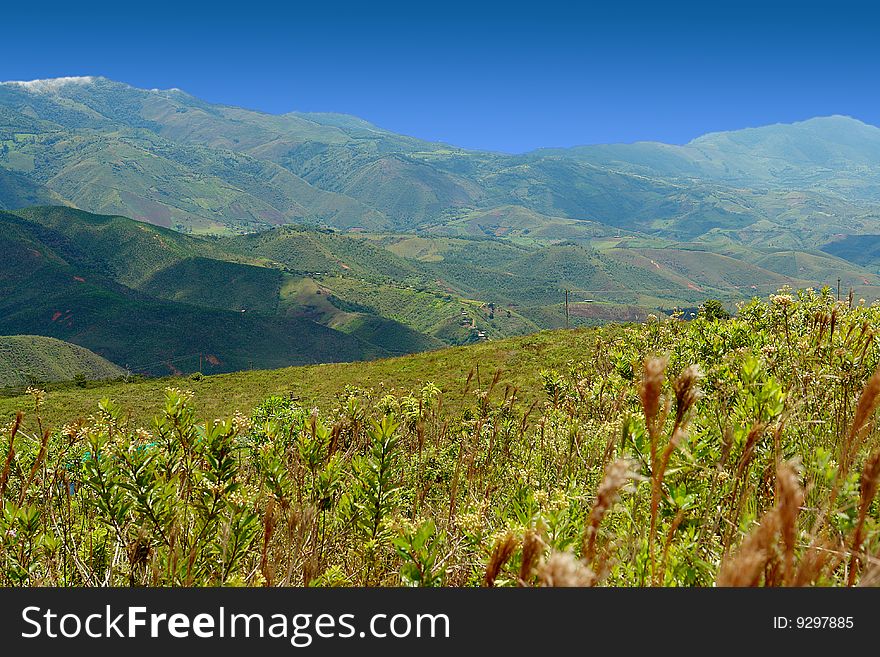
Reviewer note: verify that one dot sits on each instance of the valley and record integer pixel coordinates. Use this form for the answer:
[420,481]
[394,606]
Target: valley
[158,302]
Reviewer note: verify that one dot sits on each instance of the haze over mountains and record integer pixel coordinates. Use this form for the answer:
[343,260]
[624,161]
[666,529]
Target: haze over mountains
[408,245]
[173,160]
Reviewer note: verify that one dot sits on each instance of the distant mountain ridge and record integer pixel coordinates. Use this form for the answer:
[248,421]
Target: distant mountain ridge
[770,153]
[169,158]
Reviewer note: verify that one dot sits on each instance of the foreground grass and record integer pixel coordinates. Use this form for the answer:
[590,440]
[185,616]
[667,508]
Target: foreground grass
[709,452]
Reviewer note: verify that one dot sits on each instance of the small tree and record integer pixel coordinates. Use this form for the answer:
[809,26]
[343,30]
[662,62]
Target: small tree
[713,310]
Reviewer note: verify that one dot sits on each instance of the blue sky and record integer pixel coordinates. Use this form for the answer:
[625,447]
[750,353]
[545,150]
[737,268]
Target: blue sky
[497,76]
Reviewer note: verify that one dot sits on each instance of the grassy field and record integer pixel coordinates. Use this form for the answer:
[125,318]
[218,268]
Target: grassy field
[224,394]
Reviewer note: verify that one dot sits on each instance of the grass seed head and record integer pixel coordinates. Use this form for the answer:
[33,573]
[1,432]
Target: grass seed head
[869,481]
[501,553]
[532,546]
[747,565]
[687,391]
[564,569]
[617,476]
[652,384]
[789,499]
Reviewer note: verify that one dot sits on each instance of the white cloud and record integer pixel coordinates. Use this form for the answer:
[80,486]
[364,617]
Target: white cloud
[52,84]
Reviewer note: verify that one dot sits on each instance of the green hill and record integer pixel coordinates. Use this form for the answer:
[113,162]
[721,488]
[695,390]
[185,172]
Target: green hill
[860,249]
[394,337]
[33,359]
[18,191]
[519,224]
[167,157]
[50,287]
[309,251]
[131,252]
[218,284]
[160,301]
[819,266]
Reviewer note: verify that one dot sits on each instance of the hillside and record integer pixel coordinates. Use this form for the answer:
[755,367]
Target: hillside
[168,158]
[18,191]
[308,251]
[860,249]
[837,153]
[159,302]
[33,360]
[325,222]
[517,358]
[397,245]
[626,269]
[50,285]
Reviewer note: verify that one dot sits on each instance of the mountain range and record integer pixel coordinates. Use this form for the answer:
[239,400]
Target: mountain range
[171,159]
[168,234]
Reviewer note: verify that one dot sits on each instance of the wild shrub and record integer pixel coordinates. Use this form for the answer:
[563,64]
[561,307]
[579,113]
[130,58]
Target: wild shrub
[673,453]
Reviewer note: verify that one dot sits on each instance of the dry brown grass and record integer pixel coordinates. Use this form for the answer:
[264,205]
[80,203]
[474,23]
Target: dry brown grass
[759,555]
[502,551]
[617,476]
[565,569]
